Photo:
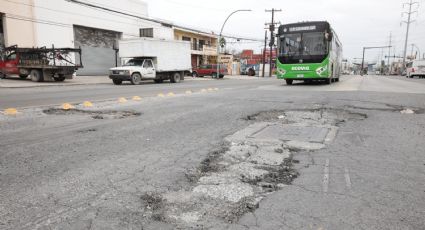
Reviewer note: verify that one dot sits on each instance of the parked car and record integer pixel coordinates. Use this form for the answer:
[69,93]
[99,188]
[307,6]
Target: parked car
[415,68]
[209,70]
[250,69]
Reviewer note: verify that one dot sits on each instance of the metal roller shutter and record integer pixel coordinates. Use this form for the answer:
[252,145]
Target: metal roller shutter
[97,49]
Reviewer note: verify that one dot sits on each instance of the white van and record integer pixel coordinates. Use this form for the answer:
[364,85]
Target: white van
[415,68]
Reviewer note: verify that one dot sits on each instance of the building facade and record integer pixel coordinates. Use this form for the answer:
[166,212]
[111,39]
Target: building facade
[38,23]
[203,45]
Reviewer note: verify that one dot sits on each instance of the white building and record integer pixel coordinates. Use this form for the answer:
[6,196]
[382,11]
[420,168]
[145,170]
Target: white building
[94,26]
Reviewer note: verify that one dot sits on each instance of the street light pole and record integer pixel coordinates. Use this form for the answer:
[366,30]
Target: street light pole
[219,39]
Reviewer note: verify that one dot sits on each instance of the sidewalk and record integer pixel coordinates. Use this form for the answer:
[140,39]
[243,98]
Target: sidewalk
[16,82]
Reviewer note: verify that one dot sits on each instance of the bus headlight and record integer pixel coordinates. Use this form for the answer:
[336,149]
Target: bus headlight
[281,71]
[322,69]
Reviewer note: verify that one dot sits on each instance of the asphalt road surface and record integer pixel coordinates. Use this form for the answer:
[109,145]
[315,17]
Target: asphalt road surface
[240,154]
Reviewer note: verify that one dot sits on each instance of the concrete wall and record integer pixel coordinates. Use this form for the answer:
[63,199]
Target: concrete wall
[17,25]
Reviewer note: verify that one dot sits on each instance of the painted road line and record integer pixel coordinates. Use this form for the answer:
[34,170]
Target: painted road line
[171,94]
[10,111]
[210,89]
[215,89]
[188,92]
[67,106]
[204,90]
[347,178]
[122,100]
[326,177]
[136,98]
[161,95]
[87,104]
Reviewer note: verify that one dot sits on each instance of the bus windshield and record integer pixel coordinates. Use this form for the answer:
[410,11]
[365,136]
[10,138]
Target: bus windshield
[303,47]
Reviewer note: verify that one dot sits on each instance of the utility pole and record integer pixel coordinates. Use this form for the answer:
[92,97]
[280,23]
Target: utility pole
[389,54]
[272,27]
[264,53]
[408,22]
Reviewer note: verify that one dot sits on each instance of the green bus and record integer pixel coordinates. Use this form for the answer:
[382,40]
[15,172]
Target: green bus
[308,51]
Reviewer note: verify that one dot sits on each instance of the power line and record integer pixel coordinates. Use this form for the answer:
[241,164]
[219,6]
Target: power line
[70,13]
[103,9]
[162,22]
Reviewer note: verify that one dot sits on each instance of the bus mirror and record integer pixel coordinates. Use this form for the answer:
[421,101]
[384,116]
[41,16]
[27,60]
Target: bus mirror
[329,36]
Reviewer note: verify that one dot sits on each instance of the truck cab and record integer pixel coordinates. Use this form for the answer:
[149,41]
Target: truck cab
[415,68]
[134,70]
[8,64]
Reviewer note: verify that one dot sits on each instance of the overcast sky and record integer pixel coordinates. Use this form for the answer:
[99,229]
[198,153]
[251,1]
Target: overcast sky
[358,23]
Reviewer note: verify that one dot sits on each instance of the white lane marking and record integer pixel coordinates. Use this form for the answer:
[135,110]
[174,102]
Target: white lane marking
[347,178]
[326,177]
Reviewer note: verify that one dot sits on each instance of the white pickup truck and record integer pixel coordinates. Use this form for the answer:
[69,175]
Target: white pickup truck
[152,59]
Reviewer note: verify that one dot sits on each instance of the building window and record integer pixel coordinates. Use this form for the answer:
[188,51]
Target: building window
[184,38]
[1,32]
[146,32]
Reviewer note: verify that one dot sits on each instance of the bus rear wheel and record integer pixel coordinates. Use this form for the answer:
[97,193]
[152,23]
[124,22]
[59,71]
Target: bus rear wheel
[289,81]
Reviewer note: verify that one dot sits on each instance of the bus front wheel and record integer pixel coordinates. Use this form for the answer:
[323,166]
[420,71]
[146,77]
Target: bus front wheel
[328,81]
[289,81]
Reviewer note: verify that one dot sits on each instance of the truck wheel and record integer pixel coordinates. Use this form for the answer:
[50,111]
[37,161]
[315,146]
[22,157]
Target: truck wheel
[195,74]
[23,76]
[60,77]
[136,78]
[214,75]
[37,75]
[117,81]
[175,78]
[289,81]
[158,81]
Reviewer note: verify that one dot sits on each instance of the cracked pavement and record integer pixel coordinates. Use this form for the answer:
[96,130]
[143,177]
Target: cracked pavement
[71,171]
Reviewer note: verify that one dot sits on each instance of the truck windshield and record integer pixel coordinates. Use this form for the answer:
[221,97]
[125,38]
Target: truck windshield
[134,62]
[303,47]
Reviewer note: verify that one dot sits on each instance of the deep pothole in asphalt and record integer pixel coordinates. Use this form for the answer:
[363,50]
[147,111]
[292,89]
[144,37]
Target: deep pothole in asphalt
[95,114]
[251,164]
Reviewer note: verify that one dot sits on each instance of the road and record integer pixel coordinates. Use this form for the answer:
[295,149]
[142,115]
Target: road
[245,154]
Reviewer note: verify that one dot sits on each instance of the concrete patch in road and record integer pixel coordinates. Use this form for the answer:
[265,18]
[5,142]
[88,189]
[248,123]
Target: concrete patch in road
[234,192]
[294,133]
[253,163]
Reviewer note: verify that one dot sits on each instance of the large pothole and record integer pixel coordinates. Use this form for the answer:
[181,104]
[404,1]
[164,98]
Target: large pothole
[95,114]
[254,162]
